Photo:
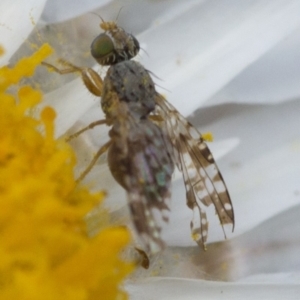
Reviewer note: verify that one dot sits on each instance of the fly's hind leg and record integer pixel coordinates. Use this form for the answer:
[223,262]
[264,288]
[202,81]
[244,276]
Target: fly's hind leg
[90,78]
[99,152]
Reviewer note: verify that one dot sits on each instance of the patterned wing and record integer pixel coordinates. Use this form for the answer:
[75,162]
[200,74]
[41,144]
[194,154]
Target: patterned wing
[203,180]
[144,169]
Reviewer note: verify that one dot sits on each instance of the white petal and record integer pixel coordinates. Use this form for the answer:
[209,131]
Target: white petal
[273,239]
[221,148]
[273,78]
[183,289]
[59,11]
[198,52]
[18,18]
[277,278]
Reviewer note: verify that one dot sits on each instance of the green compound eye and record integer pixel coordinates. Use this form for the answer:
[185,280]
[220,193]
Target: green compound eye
[102,48]
[114,46]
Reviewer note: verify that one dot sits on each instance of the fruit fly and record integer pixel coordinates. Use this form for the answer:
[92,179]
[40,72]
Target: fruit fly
[148,138]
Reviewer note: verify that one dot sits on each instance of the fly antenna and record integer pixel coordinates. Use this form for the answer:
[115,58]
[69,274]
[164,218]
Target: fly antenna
[98,16]
[118,14]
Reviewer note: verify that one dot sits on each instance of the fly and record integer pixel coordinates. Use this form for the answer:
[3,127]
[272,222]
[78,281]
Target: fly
[148,137]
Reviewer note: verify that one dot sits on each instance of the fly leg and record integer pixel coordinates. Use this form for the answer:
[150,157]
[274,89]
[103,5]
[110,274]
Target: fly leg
[92,81]
[90,78]
[102,150]
[94,84]
[90,126]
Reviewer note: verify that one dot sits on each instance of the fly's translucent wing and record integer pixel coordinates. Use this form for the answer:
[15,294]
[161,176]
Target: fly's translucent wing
[203,181]
[140,160]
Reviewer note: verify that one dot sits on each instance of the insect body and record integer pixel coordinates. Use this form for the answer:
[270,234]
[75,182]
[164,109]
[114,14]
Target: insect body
[148,137]
[140,156]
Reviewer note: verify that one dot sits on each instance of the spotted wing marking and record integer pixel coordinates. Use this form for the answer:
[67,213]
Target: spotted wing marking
[146,219]
[203,180]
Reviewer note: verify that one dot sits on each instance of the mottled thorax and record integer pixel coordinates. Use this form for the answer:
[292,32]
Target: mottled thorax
[128,82]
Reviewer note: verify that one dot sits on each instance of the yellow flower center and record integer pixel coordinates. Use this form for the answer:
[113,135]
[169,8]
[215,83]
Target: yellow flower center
[45,251]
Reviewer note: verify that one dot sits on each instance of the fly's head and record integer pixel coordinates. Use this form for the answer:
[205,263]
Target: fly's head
[114,45]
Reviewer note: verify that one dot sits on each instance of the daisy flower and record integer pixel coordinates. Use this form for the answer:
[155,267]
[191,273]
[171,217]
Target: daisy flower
[232,67]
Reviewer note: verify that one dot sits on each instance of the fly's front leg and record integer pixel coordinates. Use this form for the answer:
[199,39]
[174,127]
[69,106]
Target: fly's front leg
[90,78]
[92,81]
[94,84]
